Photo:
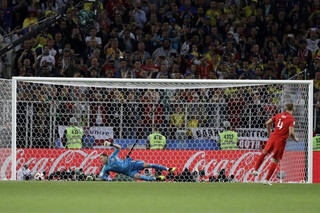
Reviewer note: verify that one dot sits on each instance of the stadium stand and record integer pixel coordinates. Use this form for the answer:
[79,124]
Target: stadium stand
[177,39]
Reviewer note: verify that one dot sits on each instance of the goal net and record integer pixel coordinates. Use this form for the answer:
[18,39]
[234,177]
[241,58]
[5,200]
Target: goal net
[5,129]
[190,115]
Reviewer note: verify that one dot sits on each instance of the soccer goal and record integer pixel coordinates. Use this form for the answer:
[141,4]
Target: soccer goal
[38,114]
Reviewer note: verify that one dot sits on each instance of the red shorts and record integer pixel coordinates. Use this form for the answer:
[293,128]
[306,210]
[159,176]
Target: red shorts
[277,146]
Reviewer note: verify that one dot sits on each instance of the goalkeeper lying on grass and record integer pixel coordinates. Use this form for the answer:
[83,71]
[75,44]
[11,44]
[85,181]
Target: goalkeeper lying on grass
[127,166]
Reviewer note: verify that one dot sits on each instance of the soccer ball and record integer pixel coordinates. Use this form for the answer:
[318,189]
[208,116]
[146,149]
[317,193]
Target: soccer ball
[89,178]
[39,176]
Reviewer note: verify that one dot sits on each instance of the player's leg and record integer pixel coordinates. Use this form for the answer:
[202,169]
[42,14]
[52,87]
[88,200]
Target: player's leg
[137,175]
[260,160]
[268,149]
[278,153]
[144,177]
[272,167]
[160,167]
[136,167]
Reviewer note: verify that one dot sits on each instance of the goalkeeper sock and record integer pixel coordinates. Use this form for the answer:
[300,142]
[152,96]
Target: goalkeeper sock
[156,166]
[147,178]
[259,162]
[273,166]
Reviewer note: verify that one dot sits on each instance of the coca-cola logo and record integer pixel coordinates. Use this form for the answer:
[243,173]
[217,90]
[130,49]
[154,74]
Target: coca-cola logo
[71,156]
[69,159]
[241,168]
[238,163]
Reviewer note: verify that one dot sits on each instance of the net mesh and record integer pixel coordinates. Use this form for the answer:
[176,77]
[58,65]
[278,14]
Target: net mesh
[191,117]
[5,129]
[297,154]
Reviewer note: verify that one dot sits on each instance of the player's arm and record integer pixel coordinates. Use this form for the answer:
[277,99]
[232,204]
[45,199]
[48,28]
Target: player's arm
[103,173]
[292,134]
[268,125]
[116,146]
[109,144]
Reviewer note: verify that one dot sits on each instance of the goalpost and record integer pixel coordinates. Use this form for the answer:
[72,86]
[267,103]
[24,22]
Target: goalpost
[189,113]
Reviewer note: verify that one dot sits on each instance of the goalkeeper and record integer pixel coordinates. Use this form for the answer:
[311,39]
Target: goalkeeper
[127,166]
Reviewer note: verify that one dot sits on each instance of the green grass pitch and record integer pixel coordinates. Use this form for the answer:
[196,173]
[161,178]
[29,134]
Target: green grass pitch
[129,197]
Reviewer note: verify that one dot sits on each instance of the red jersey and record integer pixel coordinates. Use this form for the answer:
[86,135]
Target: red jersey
[282,123]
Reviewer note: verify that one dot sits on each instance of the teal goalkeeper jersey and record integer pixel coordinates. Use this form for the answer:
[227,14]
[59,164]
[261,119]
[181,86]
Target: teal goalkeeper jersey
[115,164]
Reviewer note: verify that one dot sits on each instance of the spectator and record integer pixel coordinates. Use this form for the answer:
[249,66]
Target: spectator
[131,115]
[178,117]
[136,70]
[73,135]
[151,112]
[141,50]
[176,71]
[121,71]
[314,67]
[58,43]
[316,141]
[46,58]
[96,54]
[165,50]
[243,48]
[93,36]
[245,67]
[312,42]
[140,15]
[235,108]
[76,41]
[163,71]
[30,22]
[205,67]
[109,72]
[27,54]
[305,55]
[52,51]
[26,69]
[98,107]
[156,140]
[67,64]
[257,73]
[127,43]
[43,37]
[228,138]
[93,73]
[96,66]
[111,47]
[193,123]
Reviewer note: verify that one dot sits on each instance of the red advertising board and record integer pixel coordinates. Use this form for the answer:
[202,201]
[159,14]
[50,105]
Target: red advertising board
[239,163]
[316,167]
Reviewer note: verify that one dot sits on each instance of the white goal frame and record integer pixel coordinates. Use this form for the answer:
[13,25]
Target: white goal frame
[15,80]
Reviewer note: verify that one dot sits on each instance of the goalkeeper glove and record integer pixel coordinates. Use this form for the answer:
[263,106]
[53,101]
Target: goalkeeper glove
[107,143]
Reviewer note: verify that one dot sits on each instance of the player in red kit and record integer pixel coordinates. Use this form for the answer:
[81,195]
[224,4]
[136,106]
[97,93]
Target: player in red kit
[284,127]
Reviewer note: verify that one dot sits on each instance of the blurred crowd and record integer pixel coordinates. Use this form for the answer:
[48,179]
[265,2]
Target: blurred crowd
[201,39]
[134,112]
[177,39]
